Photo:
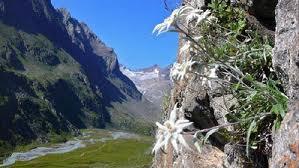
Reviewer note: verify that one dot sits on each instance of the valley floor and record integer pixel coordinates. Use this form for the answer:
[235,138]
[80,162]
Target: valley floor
[95,148]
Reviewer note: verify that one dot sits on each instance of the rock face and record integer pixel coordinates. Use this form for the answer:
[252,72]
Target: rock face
[285,58]
[206,107]
[57,75]
[197,108]
[153,82]
[285,152]
[210,158]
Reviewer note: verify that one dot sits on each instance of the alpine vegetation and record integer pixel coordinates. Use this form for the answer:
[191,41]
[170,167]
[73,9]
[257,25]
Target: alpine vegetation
[180,71]
[221,47]
[171,132]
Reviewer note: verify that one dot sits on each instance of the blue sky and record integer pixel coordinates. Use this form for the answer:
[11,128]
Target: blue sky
[126,26]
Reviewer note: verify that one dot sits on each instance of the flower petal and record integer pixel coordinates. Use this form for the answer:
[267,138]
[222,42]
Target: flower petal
[162,127]
[175,145]
[183,125]
[181,122]
[158,145]
[183,142]
[167,138]
[173,113]
[198,146]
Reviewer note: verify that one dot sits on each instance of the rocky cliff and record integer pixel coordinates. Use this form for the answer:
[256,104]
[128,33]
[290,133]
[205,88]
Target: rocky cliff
[285,151]
[208,107]
[57,76]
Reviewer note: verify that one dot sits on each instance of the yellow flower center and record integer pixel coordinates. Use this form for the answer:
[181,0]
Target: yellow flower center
[169,126]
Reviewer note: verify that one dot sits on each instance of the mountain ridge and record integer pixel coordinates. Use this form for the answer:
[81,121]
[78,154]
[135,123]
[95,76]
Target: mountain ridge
[153,82]
[59,76]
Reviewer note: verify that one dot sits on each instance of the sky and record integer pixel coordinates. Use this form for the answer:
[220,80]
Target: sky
[126,26]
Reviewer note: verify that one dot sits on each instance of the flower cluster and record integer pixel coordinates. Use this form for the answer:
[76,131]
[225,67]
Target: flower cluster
[168,23]
[210,75]
[180,71]
[218,41]
[196,15]
[185,14]
[171,132]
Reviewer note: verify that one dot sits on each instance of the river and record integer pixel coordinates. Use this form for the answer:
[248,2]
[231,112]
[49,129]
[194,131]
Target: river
[87,137]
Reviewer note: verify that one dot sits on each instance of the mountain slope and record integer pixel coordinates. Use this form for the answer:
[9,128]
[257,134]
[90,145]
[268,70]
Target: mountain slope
[58,76]
[153,82]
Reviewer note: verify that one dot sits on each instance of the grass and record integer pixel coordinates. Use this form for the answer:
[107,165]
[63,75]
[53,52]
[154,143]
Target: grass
[121,153]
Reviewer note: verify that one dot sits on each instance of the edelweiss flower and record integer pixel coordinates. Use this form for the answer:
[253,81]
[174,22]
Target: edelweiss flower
[170,132]
[211,75]
[168,22]
[194,14]
[185,47]
[188,45]
[188,12]
[179,71]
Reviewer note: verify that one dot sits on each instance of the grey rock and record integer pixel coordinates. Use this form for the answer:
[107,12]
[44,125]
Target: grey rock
[221,106]
[209,157]
[196,104]
[285,151]
[234,156]
[286,51]
[82,36]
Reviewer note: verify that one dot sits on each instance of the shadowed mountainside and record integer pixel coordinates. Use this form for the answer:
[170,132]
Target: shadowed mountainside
[57,76]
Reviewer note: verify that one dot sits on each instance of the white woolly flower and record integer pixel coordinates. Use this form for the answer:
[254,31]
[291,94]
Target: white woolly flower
[171,132]
[168,22]
[211,75]
[179,71]
[185,47]
[197,17]
[187,13]
[188,45]
[194,14]
[212,19]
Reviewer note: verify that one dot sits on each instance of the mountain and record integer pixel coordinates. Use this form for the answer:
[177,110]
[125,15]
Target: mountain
[153,82]
[57,76]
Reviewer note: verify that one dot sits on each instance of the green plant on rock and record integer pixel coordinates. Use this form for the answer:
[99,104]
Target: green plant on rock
[224,49]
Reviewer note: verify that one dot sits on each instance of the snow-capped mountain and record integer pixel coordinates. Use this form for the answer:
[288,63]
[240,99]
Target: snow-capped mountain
[153,82]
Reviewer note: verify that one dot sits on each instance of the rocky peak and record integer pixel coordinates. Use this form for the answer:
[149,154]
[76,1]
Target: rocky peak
[153,81]
[154,67]
[88,88]
[82,36]
[66,14]
[35,16]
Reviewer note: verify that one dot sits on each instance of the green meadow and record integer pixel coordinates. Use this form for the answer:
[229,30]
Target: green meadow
[131,152]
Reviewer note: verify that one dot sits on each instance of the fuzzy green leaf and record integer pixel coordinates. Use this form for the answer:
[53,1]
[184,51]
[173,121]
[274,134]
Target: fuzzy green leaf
[249,131]
[209,134]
